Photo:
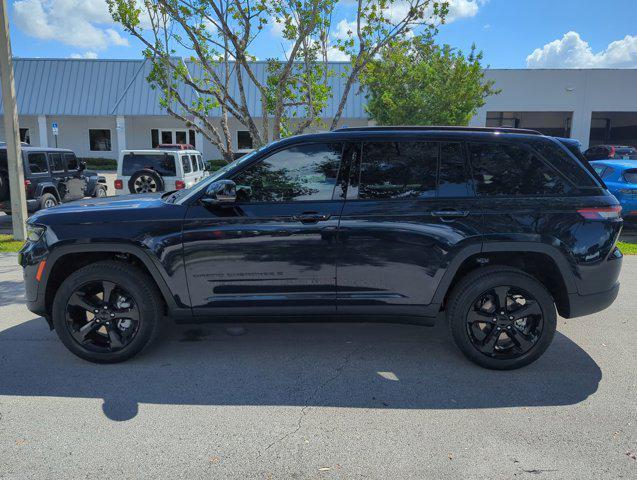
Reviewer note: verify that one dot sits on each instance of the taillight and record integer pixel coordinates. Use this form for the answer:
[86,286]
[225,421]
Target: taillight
[27,183]
[601,213]
[612,152]
[180,184]
[119,185]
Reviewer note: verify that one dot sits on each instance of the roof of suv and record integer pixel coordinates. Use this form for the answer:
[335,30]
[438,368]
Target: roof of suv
[3,146]
[159,150]
[439,128]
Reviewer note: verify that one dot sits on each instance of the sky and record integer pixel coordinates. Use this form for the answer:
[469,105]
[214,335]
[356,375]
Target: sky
[511,33]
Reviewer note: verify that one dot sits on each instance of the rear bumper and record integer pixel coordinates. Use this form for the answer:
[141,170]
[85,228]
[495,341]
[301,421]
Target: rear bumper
[580,305]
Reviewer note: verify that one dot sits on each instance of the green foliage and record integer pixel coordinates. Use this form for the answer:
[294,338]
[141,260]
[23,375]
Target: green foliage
[627,248]
[99,163]
[216,164]
[8,244]
[416,82]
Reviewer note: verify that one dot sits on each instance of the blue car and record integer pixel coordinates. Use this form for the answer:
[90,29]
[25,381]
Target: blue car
[621,178]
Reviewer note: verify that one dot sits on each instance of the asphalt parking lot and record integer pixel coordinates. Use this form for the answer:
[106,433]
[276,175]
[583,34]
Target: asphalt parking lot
[318,401]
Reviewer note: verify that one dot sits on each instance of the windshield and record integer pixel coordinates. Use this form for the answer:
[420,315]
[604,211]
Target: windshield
[179,196]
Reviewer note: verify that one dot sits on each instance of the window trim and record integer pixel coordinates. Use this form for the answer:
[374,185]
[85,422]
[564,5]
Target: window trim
[343,143]
[110,139]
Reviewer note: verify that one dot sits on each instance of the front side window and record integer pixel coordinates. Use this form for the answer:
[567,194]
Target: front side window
[55,159]
[99,140]
[299,173]
[37,163]
[195,165]
[71,161]
[163,164]
[185,163]
[507,169]
[398,170]
[200,163]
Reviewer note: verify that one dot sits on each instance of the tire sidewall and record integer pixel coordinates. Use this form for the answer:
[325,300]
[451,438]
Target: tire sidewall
[472,287]
[134,283]
[98,190]
[147,172]
[44,198]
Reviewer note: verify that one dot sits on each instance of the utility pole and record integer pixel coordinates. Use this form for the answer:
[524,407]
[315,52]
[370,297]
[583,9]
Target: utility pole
[12,130]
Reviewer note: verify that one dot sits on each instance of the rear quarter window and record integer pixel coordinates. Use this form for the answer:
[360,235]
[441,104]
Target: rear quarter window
[163,164]
[630,176]
[502,169]
[570,164]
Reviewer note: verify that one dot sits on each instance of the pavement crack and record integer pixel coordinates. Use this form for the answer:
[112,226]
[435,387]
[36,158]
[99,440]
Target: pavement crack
[306,407]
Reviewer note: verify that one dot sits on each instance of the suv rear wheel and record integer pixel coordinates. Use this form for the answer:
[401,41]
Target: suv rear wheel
[501,318]
[107,312]
[48,200]
[146,181]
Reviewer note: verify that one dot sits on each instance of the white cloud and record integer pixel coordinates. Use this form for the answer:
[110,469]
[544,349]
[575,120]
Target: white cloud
[572,52]
[344,29]
[80,23]
[87,54]
[458,9]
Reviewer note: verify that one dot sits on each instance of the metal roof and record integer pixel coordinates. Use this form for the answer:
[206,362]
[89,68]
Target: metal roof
[89,87]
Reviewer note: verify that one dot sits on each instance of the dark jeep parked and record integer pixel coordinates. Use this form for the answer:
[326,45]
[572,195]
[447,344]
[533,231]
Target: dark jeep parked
[496,230]
[51,176]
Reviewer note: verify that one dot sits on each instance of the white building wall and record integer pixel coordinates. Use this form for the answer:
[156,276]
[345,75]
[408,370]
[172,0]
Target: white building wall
[73,133]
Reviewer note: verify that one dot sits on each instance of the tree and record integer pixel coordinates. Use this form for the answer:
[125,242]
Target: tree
[416,82]
[294,91]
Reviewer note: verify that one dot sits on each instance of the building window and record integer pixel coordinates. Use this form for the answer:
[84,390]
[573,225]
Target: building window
[99,140]
[244,140]
[171,136]
[24,136]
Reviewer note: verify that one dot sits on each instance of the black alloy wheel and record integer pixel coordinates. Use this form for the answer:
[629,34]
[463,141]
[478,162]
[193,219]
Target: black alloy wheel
[501,317]
[102,316]
[505,322]
[107,311]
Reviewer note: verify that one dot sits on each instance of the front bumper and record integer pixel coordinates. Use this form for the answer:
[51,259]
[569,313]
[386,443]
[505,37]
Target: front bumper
[580,305]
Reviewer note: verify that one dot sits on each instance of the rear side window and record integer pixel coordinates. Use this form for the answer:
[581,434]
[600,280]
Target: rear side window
[630,176]
[200,163]
[577,169]
[195,165]
[185,163]
[453,180]
[55,159]
[506,169]
[162,163]
[398,170]
[37,163]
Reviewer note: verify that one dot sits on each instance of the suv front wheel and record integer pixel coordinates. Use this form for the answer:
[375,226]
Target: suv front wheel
[107,312]
[501,318]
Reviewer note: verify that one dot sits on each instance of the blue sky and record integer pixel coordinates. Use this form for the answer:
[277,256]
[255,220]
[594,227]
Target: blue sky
[512,33]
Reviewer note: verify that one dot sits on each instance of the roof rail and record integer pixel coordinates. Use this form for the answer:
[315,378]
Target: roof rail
[524,131]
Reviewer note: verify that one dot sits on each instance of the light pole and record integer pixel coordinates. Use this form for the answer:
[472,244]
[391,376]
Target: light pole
[11,130]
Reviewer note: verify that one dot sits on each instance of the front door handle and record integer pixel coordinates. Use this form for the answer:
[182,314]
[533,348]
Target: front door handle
[310,217]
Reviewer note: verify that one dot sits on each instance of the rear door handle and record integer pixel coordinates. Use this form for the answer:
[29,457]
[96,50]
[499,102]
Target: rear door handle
[450,213]
[310,217]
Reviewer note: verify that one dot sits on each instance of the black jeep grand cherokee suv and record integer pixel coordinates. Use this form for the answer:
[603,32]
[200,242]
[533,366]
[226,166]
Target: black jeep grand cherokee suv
[495,230]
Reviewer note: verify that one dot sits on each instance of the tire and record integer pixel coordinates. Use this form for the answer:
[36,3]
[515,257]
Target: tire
[146,181]
[4,187]
[48,200]
[474,310]
[138,290]
[100,191]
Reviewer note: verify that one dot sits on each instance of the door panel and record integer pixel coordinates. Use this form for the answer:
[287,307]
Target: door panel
[410,211]
[59,176]
[273,252]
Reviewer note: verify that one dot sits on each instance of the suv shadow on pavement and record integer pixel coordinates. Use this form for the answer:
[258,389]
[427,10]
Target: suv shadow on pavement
[369,365]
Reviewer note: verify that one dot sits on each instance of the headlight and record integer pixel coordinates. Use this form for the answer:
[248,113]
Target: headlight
[35,232]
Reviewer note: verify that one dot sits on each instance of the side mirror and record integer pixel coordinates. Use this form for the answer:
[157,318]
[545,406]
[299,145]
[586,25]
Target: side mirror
[220,192]
[81,165]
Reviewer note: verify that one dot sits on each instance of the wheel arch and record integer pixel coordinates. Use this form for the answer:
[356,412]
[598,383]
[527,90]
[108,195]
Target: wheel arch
[544,262]
[48,187]
[66,259]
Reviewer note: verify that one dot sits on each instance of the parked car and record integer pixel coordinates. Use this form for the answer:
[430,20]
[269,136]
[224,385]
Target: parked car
[158,170]
[621,179]
[496,230]
[51,176]
[604,152]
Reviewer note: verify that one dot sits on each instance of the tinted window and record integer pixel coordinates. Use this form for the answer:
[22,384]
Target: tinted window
[71,161]
[200,163]
[391,170]
[453,180]
[506,169]
[600,171]
[185,163]
[55,159]
[162,163]
[303,172]
[630,176]
[574,170]
[195,165]
[37,163]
